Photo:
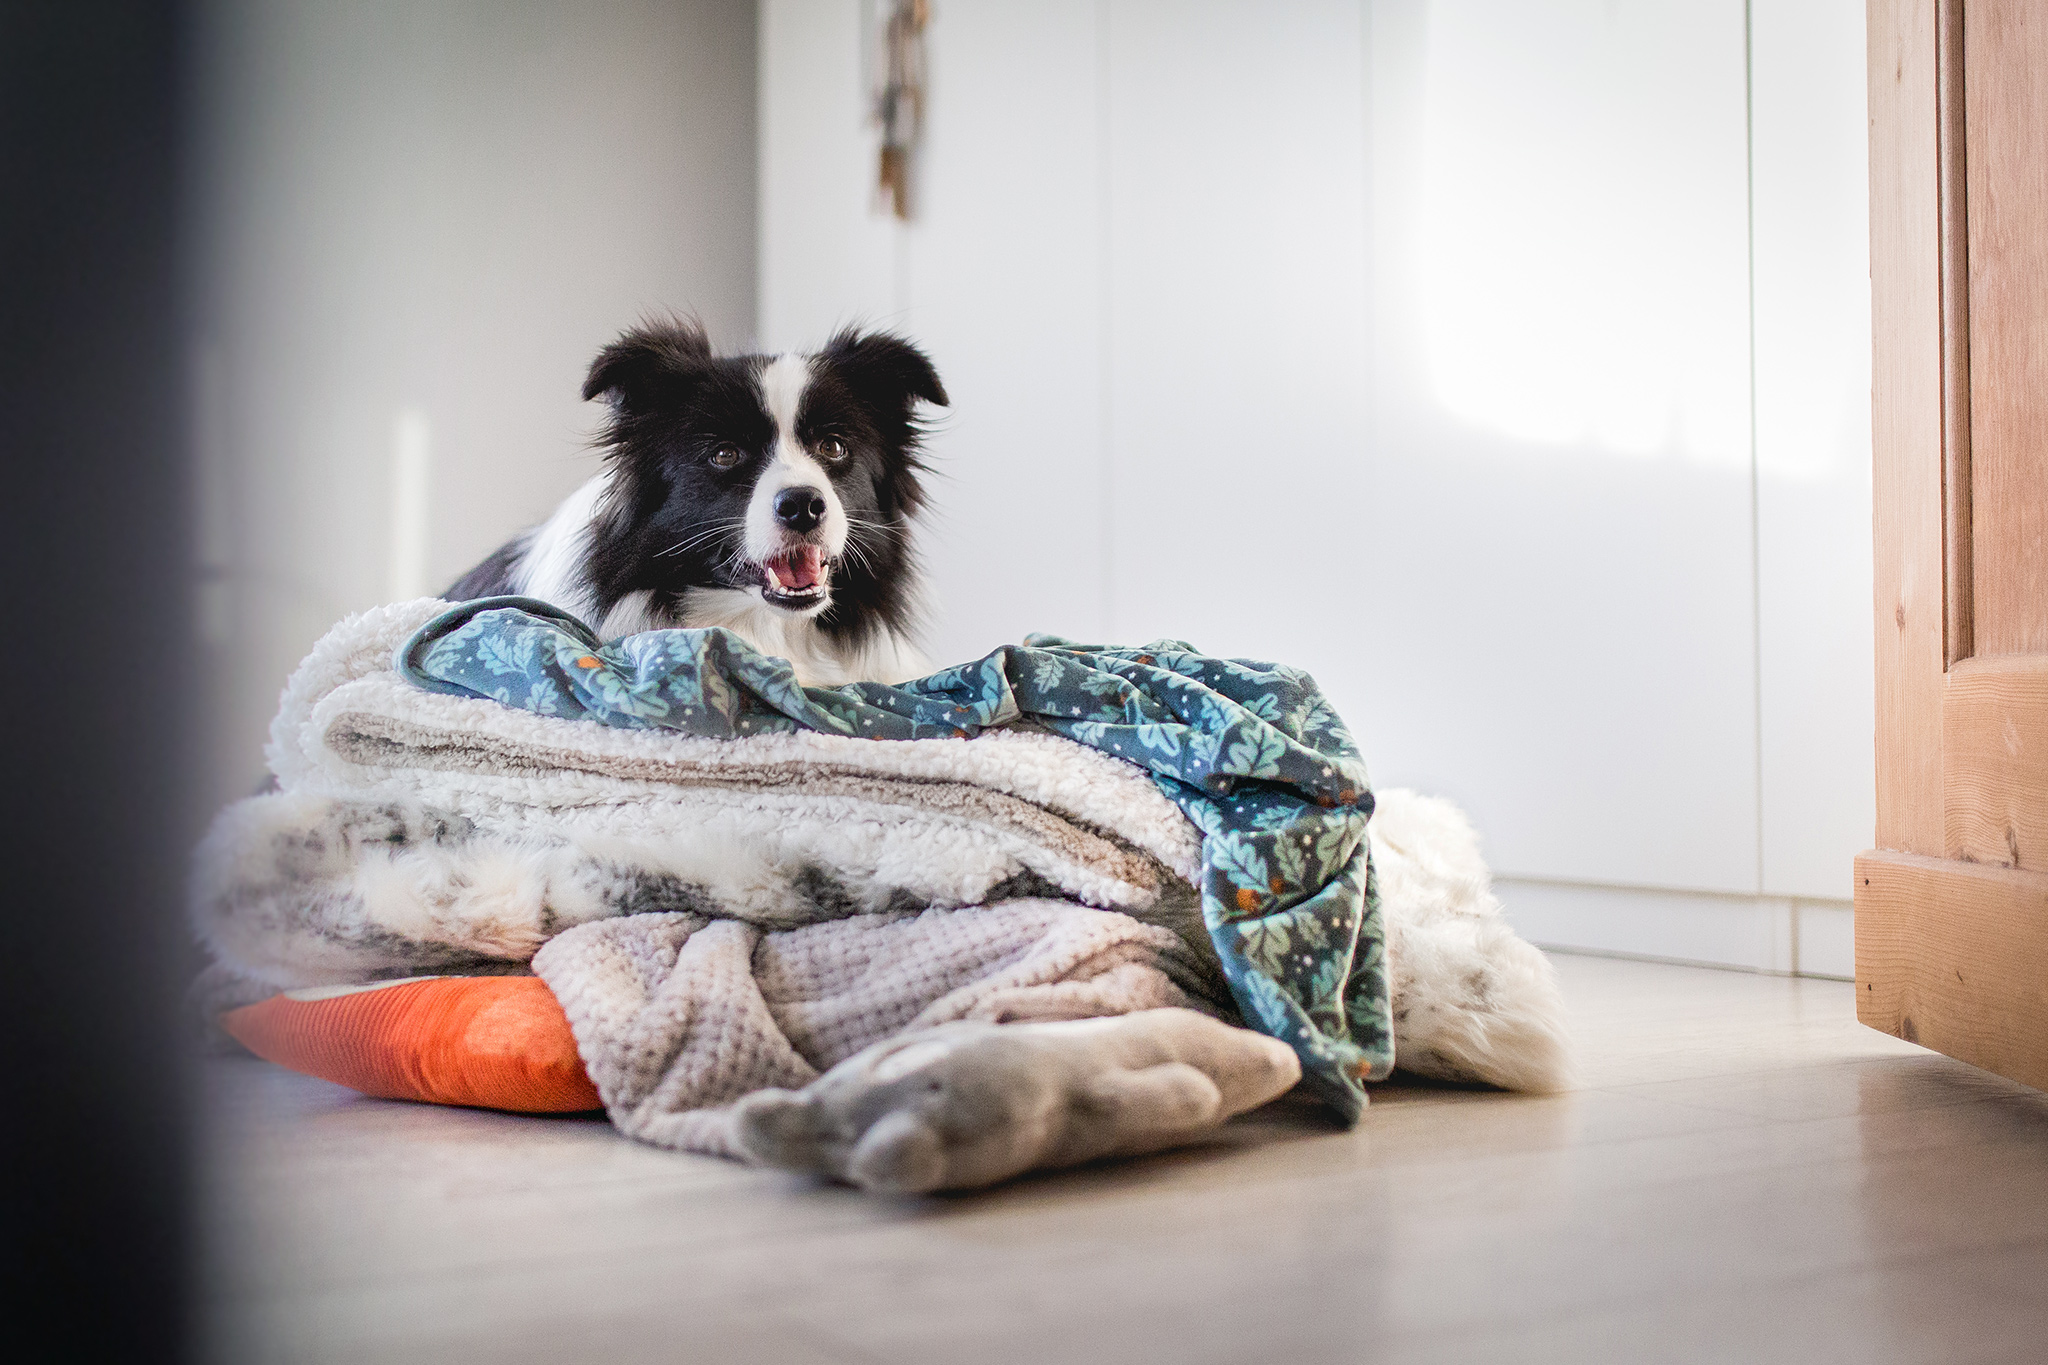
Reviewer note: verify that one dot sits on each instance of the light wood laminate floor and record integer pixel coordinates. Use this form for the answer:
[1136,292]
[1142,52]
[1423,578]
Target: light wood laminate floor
[1749,1176]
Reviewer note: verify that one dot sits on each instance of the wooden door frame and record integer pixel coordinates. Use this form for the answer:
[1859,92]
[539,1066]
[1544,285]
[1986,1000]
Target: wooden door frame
[1951,948]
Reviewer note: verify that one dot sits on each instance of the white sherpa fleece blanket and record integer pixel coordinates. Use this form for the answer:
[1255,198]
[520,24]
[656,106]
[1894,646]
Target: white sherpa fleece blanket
[416,833]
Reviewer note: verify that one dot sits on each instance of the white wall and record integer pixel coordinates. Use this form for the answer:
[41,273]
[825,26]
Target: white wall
[1813,441]
[1505,362]
[415,225]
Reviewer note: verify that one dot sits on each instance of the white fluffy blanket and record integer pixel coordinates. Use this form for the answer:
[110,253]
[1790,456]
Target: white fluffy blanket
[417,833]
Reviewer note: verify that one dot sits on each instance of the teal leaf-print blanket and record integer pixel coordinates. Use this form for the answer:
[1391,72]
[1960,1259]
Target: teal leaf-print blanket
[1252,753]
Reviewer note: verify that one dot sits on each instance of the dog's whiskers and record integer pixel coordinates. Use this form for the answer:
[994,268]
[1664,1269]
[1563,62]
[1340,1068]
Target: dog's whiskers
[858,553]
[724,526]
[733,561]
[861,523]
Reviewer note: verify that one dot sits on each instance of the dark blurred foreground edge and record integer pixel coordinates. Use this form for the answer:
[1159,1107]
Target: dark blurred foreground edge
[93,536]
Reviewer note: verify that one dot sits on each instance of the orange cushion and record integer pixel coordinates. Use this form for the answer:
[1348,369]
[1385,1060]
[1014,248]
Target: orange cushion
[495,1042]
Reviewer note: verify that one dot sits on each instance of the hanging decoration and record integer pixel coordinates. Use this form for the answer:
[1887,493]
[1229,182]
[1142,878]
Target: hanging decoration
[899,99]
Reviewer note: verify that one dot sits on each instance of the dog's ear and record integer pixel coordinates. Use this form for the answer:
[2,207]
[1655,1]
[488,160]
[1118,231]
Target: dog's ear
[887,372]
[645,358]
[888,376]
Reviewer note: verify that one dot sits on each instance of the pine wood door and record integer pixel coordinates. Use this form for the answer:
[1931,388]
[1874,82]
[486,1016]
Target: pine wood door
[1952,905]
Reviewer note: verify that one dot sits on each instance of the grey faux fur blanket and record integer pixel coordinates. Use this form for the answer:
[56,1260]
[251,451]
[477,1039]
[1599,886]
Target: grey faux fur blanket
[721,915]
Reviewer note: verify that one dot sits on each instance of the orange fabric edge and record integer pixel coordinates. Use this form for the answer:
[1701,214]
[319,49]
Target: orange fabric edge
[487,1042]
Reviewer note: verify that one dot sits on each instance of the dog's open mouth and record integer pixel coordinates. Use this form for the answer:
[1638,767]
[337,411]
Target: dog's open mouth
[798,577]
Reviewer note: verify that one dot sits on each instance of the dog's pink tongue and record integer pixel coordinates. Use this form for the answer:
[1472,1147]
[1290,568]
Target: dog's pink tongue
[799,569]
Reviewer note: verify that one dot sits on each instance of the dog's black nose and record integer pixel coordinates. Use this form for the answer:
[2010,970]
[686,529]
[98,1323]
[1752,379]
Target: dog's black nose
[799,508]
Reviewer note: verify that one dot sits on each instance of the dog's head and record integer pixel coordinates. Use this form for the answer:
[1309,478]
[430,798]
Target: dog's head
[790,479]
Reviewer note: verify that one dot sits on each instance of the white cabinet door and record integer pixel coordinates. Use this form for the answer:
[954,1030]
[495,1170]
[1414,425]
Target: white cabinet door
[1429,356]
[825,259]
[1003,276]
[1812,206]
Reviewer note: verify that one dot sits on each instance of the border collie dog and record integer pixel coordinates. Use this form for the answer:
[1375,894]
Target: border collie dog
[771,495]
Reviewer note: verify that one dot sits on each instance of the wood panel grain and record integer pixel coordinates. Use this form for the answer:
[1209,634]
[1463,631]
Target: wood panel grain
[1955,331]
[2007,111]
[1954,956]
[1994,760]
[1906,421]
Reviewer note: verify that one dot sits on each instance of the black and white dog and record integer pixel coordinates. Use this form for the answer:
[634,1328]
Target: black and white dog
[772,495]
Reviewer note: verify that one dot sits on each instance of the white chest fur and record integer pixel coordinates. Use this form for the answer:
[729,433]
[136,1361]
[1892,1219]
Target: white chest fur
[819,661]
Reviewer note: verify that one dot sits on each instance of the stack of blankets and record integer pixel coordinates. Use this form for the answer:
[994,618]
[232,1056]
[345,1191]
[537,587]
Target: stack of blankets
[733,883]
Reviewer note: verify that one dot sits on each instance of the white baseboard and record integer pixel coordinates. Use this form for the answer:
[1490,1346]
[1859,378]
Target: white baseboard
[1755,933]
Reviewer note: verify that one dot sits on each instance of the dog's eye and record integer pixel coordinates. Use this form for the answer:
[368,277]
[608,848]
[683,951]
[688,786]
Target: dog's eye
[831,450]
[725,457]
